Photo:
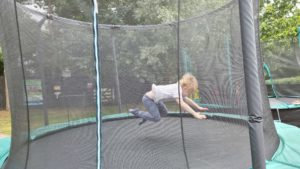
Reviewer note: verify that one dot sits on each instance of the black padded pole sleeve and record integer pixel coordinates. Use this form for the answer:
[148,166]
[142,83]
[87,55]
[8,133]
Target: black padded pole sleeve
[253,90]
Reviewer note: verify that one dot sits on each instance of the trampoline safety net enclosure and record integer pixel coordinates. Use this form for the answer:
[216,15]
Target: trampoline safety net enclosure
[49,50]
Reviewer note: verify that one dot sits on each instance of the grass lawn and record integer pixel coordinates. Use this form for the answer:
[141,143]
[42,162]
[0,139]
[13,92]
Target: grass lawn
[65,114]
[5,123]
[287,80]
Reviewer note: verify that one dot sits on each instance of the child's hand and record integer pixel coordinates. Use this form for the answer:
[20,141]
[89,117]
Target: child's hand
[199,116]
[203,109]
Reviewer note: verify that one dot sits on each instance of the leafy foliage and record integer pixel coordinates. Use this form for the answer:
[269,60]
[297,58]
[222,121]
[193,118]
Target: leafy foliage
[152,54]
[279,20]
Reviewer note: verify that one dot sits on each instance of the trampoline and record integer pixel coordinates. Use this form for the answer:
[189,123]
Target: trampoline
[286,110]
[5,144]
[283,86]
[151,146]
[77,78]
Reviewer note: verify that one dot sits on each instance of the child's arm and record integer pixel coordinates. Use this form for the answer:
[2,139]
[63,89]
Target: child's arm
[187,108]
[194,105]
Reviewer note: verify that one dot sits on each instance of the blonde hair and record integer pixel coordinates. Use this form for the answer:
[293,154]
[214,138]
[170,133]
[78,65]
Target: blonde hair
[190,82]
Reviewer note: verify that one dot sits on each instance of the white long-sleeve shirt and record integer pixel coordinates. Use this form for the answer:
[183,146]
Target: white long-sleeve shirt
[166,92]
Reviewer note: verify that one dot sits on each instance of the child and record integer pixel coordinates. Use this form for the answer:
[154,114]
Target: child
[153,99]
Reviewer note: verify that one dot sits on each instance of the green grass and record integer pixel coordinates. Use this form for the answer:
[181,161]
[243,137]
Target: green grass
[288,80]
[5,123]
[66,114]
[57,115]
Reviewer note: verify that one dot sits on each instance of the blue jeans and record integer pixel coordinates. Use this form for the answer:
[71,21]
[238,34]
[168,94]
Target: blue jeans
[155,110]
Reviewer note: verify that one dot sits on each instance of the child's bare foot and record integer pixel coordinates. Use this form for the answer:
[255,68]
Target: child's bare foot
[199,116]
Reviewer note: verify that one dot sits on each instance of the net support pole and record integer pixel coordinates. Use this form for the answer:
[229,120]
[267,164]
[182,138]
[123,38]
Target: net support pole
[252,82]
[229,63]
[298,36]
[41,61]
[297,47]
[117,81]
[98,84]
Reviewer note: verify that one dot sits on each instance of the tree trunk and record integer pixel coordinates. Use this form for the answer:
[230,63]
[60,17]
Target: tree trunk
[7,106]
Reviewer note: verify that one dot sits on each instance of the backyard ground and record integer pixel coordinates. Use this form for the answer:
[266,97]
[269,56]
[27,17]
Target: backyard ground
[5,123]
[64,114]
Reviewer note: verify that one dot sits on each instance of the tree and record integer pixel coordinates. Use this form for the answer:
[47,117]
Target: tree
[153,48]
[279,20]
[149,47]
[1,63]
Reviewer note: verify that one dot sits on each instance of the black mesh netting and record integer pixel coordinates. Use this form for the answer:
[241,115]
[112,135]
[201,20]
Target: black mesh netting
[54,115]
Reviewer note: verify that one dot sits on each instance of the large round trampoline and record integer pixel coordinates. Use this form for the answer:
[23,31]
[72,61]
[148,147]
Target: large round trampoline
[282,72]
[286,110]
[76,78]
[150,146]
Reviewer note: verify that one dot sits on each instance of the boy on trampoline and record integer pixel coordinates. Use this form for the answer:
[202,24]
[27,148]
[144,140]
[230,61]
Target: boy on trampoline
[153,99]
